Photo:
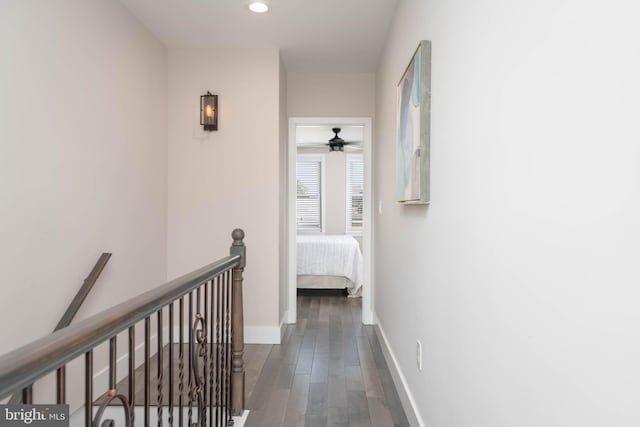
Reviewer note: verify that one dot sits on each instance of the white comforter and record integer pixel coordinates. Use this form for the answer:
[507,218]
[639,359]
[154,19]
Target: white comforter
[323,255]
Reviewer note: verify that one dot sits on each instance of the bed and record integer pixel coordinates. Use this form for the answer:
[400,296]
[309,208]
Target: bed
[329,262]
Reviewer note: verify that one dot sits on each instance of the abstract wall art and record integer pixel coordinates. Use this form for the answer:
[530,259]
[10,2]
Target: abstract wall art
[413,129]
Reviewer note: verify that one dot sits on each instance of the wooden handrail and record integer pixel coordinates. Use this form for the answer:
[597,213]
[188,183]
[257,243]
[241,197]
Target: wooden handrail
[22,367]
[84,290]
[73,308]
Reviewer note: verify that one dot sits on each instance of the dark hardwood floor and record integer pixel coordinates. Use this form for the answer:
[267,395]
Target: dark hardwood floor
[329,371]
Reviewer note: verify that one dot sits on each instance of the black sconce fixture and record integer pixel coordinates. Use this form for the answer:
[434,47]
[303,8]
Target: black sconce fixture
[209,111]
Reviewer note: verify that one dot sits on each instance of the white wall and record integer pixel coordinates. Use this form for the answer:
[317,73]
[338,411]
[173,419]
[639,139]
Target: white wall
[521,277]
[230,178]
[330,94]
[284,194]
[83,160]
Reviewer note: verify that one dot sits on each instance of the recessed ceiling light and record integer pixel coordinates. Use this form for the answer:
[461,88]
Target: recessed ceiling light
[258,7]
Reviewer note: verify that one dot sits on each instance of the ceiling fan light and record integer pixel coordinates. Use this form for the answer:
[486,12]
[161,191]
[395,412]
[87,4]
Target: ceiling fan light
[258,7]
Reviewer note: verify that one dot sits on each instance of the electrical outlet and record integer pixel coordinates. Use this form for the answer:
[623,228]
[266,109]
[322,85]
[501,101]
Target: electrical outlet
[419,354]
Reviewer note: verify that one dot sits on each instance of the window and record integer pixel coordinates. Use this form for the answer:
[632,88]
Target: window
[309,193]
[355,193]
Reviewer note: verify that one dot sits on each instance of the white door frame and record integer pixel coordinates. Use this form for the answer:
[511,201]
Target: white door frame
[367,288]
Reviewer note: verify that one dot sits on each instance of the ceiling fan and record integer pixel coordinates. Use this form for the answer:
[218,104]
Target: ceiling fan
[336,143]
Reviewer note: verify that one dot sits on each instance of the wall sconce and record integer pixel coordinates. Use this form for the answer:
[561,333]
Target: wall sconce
[209,111]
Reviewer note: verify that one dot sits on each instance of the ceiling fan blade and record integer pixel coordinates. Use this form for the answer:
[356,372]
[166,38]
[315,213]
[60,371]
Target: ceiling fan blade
[353,149]
[303,146]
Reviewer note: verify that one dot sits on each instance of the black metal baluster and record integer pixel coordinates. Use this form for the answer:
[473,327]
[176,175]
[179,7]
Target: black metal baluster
[61,385]
[88,388]
[212,354]
[190,318]
[27,395]
[206,351]
[160,367]
[211,360]
[221,347]
[199,331]
[194,363]
[171,364]
[132,373]
[112,364]
[112,392]
[196,366]
[147,369]
[181,364]
[218,357]
[225,349]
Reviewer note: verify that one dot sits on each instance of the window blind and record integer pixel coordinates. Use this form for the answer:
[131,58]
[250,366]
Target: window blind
[309,194]
[355,193]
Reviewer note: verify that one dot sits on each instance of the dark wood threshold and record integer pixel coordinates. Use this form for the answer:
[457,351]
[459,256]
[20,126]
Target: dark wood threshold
[323,292]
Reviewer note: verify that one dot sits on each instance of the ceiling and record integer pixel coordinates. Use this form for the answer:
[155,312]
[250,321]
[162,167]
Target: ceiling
[313,35]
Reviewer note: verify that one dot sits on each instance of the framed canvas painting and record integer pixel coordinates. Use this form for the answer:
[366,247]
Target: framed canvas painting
[413,127]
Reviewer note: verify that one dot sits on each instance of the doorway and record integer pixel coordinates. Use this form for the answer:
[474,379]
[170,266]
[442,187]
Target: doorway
[309,142]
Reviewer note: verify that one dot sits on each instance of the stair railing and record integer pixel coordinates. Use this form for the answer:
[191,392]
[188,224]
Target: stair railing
[209,360]
[71,312]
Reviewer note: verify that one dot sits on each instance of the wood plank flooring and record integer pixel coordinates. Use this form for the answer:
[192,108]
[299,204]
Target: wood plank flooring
[329,371]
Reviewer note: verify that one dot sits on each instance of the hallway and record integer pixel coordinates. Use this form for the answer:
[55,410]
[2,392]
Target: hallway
[329,371]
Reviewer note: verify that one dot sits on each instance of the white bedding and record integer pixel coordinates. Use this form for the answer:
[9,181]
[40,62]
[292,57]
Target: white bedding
[328,255]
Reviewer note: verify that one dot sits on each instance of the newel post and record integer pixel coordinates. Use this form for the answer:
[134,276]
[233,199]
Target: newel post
[237,326]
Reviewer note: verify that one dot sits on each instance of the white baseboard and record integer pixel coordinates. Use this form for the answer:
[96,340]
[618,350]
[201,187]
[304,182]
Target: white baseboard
[262,335]
[252,335]
[406,398]
[283,324]
[258,335]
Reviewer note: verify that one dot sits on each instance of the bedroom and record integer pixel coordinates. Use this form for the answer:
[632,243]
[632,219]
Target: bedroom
[331,209]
